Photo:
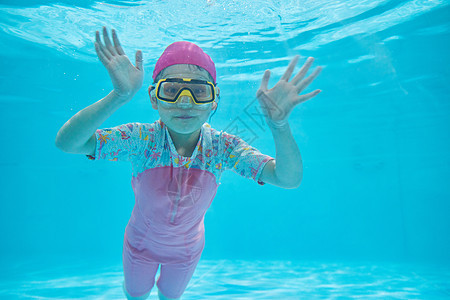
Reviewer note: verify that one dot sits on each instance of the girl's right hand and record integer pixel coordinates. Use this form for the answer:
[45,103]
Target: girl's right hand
[126,78]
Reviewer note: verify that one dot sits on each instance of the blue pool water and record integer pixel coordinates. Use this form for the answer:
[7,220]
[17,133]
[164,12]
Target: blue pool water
[371,218]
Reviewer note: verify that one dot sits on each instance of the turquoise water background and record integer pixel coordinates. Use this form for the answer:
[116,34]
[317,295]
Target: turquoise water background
[371,219]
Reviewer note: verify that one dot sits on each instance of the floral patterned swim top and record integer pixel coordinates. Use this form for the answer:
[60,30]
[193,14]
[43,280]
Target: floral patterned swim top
[149,146]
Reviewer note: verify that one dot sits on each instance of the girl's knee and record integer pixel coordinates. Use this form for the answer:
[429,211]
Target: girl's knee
[162,297]
[143,297]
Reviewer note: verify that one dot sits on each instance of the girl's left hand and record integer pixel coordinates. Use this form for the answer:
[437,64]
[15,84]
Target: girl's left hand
[278,102]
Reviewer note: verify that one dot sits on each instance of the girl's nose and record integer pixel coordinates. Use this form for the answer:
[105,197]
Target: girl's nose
[185,101]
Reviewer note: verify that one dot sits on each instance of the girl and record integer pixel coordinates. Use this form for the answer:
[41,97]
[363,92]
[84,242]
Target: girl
[177,161]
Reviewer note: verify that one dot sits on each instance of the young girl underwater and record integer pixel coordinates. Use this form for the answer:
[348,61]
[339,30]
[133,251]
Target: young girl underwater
[177,161]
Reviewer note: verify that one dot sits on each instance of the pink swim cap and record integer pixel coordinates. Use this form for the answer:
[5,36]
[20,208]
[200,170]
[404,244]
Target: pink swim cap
[184,53]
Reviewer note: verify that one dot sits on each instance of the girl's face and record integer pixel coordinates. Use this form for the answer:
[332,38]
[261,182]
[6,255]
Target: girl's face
[170,112]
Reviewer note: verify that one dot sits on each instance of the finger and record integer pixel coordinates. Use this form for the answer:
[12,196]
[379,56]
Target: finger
[101,47]
[100,54]
[139,60]
[302,71]
[108,42]
[117,43]
[306,97]
[265,80]
[300,87]
[290,68]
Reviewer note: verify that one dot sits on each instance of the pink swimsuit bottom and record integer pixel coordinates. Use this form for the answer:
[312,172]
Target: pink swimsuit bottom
[166,227]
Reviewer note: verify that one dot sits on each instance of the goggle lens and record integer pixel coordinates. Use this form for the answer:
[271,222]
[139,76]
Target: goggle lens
[170,90]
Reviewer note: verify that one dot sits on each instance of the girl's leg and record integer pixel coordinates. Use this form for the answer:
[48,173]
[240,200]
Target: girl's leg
[143,297]
[162,297]
[139,275]
[174,278]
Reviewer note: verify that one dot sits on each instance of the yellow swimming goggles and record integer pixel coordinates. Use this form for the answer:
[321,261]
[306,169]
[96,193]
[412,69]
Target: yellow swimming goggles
[171,89]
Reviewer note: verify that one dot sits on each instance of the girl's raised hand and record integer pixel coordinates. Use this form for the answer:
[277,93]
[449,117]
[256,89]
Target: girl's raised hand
[126,78]
[278,102]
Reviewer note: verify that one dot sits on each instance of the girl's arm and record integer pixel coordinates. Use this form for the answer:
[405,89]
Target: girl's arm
[78,134]
[286,171]
[277,104]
